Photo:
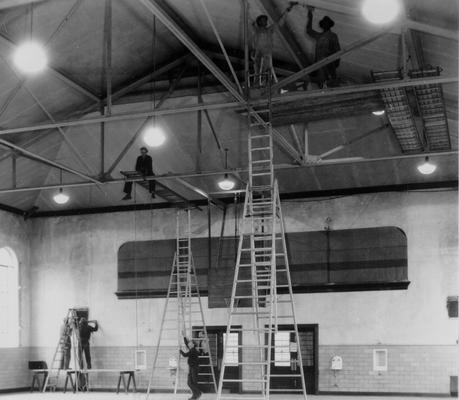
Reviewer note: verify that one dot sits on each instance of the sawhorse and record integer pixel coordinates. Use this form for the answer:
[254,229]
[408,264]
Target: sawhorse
[122,377]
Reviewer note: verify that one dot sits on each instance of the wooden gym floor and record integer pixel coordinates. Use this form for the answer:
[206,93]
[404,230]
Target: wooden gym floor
[183,396]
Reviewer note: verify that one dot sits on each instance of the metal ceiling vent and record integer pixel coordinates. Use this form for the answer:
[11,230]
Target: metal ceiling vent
[432,110]
[399,113]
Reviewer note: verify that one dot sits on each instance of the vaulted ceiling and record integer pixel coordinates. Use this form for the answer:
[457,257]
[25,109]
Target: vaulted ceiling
[113,65]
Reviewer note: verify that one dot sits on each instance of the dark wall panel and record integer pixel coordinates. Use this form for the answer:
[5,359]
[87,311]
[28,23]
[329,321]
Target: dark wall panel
[350,259]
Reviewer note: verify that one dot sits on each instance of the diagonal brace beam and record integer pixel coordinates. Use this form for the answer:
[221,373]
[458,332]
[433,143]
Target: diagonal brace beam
[46,161]
[154,8]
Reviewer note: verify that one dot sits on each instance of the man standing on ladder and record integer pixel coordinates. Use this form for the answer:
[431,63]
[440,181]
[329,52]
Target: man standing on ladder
[262,45]
[193,364]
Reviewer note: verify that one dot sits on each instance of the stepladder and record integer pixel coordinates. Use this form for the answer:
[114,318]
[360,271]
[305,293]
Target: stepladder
[67,349]
[182,321]
[262,298]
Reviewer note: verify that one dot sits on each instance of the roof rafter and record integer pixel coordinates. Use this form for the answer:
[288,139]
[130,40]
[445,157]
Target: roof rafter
[43,160]
[235,105]
[277,167]
[162,15]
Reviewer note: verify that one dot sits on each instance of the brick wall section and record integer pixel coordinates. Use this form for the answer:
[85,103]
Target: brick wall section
[411,369]
[14,372]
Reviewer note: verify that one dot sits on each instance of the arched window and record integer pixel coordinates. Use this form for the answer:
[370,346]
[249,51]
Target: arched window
[9,298]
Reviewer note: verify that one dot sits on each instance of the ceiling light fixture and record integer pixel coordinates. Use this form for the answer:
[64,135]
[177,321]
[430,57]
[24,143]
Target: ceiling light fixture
[380,11]
[378,112]
[226,183]
[154,136]
[61,197]
[427,167]
[30,57]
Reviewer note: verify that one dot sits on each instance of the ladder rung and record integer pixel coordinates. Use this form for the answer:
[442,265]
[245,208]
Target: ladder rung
[267,136]
[268,160]
[257,249]
[261,173]
[260,148]
[245,380]
[250,313]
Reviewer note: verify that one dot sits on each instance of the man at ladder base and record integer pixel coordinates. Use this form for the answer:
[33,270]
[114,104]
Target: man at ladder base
[183,316]
[192,354]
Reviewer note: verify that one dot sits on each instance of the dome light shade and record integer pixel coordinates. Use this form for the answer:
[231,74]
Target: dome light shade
[154,136]
[427,167]
[378,112]
[61,198]
[226,183]
[380,11]
[30,57]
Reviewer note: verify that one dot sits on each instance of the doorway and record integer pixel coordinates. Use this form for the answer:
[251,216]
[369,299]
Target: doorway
[285,358]
[217,336]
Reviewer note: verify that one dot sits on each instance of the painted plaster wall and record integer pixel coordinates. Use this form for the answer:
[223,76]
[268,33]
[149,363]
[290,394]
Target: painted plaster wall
[74,263]
[13,361]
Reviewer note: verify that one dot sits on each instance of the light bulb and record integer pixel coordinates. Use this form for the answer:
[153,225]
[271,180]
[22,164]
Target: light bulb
[30,57]
[378,112]
[61,198]
[380,11]
[226,183]
[154,136]
[426,167]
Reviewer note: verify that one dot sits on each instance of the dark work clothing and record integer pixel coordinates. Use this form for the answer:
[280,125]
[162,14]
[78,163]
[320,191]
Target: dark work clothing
[193,382]
[144,166]
[87,355]
[85,331]
[326,44]
[193,365]
[192,355]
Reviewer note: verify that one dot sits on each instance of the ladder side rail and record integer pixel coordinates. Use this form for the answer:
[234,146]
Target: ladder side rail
[158,343]
[233,294]
[289,281]
[204,328]
[59,348]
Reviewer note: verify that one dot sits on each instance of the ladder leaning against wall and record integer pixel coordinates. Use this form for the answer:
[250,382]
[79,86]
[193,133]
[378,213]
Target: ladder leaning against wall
[182,316]
[261,296]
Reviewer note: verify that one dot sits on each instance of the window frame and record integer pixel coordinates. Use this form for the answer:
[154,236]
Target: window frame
[376,367]
[10,338]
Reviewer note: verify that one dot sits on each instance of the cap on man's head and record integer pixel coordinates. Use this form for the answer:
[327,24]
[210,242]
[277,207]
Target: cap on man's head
[261,18]
[326,22]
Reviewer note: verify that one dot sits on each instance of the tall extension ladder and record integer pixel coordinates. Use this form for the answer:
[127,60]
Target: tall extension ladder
[262,295]
[70,330]
[182,316]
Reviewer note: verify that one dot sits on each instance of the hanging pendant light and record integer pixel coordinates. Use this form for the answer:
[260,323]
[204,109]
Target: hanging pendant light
[381,11]
[427,168]
[226,183]
[153,135]
[60,197]
[30,56]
